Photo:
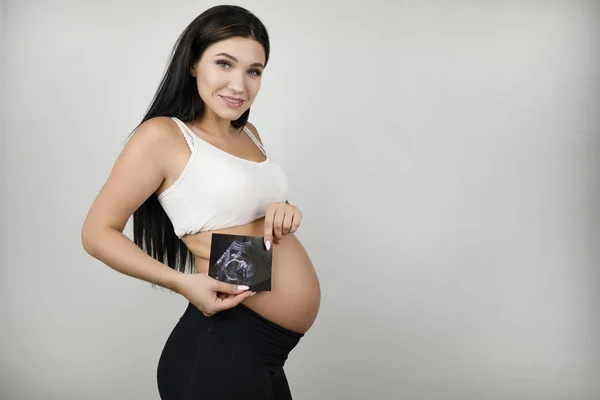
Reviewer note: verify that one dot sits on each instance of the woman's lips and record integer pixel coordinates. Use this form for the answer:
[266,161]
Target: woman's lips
[232,102]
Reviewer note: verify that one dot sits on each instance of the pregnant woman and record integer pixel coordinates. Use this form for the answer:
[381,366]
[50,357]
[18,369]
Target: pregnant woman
[193,167]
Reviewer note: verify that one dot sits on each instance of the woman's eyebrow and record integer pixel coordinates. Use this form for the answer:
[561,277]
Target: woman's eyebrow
[236,60]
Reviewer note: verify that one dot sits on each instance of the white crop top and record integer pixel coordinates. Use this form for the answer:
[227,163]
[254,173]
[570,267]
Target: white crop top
[218,190]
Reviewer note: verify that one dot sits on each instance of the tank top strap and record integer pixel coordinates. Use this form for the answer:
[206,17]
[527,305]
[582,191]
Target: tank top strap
[189,136]
[255,140]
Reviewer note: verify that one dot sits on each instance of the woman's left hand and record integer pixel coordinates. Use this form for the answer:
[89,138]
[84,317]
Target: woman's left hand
[281,218]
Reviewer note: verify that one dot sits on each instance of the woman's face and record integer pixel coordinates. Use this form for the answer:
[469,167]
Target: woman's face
[228,76]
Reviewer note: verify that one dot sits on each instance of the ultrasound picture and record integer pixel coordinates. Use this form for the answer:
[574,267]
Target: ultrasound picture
[241,260]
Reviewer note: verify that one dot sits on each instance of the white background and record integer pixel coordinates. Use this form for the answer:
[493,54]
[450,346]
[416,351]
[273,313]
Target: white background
[445,156]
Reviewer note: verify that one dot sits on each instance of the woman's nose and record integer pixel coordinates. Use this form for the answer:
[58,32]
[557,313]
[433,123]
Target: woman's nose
[237,82]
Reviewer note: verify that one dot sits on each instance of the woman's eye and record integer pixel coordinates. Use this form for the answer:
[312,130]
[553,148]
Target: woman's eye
[227,65]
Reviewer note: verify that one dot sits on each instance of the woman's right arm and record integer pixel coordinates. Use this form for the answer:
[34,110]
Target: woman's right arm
[137,173]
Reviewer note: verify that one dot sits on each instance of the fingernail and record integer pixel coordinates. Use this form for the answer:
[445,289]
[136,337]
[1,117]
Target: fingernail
[253,293]
[268,244]
[243,287]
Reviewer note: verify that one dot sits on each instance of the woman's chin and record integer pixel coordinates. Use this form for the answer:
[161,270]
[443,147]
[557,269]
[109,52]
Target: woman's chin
[232,115]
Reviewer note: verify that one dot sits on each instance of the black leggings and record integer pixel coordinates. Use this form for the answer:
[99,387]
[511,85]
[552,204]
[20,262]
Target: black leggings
[235,354]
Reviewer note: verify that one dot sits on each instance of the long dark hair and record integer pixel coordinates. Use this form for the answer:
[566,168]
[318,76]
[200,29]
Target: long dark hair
[177,96]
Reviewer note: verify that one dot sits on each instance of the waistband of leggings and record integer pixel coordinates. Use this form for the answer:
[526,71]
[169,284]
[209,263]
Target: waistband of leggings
[245,325]
[285,331]
[236,314]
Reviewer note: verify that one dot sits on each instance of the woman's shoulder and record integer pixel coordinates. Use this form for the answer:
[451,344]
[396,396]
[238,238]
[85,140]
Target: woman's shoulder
[157,138]
[155,132]
[156,128]
[254,131]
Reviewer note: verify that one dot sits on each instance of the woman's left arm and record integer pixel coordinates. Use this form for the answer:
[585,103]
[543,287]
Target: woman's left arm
[281,218]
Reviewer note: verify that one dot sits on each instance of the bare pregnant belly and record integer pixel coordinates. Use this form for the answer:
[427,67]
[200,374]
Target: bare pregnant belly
[295,295]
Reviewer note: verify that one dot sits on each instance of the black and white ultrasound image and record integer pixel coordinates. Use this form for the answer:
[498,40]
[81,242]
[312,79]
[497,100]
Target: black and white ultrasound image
[241,260]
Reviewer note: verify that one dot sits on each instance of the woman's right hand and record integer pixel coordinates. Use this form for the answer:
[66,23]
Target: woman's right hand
[210,295]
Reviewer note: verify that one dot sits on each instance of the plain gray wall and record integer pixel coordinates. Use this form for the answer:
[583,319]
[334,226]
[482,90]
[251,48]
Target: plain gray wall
[445,156]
